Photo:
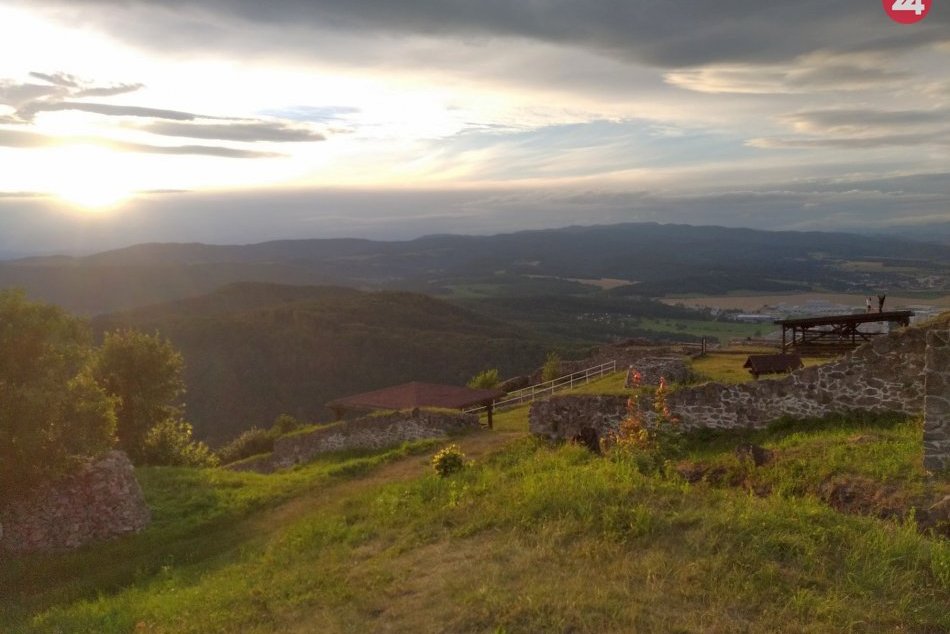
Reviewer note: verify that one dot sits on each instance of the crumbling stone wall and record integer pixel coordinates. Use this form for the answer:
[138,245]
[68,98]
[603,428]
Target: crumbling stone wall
[101,501]
[370,432]
[651,369]
[886,374]
[937,401]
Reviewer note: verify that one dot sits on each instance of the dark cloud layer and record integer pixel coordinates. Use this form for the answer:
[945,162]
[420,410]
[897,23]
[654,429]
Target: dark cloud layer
[275,132]
[667,34]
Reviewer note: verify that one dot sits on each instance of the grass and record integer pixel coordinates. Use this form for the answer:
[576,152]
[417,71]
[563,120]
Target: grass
[727,368]
[197,517]
[529,538]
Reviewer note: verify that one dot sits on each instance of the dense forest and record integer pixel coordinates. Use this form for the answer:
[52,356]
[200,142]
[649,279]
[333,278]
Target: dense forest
[253,351]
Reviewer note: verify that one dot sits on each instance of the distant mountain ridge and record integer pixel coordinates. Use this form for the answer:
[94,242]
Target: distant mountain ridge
[662,258]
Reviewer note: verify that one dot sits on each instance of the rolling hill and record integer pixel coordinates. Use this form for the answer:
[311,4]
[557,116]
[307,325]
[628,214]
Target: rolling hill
[660,259]
[253,350]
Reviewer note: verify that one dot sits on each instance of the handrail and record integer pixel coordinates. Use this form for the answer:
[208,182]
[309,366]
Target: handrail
[568,381]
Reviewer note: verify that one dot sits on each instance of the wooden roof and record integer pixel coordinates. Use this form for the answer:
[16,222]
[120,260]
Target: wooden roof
[855,318]
[416,394]
[772,363]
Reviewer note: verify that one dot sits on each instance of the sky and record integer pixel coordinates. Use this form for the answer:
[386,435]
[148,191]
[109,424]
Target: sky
[238,121]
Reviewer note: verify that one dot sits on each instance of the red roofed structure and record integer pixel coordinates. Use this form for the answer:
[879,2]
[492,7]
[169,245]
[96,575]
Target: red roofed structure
[416,394]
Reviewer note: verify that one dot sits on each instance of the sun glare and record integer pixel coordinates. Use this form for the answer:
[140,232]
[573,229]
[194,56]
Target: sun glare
[90,178]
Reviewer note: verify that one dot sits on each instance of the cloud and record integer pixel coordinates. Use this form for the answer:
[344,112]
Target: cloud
[276,131]
[28,99]
[817,72]
[850,143]
[25,140]
[861,128]
[29,111]
[685,33]
[203,150]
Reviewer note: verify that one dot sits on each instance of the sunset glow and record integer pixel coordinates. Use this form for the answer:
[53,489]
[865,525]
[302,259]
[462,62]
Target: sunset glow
[525,116]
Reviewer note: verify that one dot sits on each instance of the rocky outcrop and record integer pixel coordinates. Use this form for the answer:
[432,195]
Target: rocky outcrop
[101,501]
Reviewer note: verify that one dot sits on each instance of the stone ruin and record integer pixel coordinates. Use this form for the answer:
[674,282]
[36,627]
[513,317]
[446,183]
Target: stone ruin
[101,501]
[907,372]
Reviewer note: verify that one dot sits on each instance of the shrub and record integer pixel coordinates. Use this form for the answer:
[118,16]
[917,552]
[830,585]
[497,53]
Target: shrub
[284,424]
[448,461]
[650,445]
[250,443]
[170,443]
[552,367]
[485,380]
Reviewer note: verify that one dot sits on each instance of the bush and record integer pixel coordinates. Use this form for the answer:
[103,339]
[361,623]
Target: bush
[448,461]
[485,380]
[252,442]
[284,424]
[170,443]
[650,446]
[552,367]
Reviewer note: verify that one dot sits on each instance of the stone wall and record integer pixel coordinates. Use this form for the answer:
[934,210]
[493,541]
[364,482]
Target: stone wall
[883,375]
[103,500]
[937,401]
[651,369]
[370,432]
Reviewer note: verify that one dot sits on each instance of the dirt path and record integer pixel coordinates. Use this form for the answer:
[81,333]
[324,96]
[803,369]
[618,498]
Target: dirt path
[475,446]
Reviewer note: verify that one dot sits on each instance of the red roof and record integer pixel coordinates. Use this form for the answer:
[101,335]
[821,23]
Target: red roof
[415,394]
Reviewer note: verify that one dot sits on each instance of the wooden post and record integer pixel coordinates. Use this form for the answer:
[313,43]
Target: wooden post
[489,410]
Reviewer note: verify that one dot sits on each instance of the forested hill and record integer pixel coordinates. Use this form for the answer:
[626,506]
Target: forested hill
[253,351]
[662,258]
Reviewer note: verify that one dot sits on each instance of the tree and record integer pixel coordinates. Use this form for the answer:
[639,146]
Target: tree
[485,380]
[552,367]
[52,412]
[143,372]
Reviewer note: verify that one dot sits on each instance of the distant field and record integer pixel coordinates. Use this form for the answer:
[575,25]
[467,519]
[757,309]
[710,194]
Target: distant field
[723,331]
[755,302]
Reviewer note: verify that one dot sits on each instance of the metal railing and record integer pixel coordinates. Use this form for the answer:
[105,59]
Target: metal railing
[567,382]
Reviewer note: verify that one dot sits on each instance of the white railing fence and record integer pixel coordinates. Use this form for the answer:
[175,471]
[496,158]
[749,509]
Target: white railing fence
[567,382]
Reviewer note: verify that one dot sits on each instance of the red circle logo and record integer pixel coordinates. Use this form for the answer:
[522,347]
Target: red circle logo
[907,11]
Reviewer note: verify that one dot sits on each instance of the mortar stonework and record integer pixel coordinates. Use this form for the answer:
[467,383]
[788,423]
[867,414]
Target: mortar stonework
[100,501]
[937,401]
[370,432]
[885,375]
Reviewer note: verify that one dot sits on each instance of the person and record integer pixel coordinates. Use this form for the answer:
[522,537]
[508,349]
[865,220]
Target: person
[867,301]
[880,303]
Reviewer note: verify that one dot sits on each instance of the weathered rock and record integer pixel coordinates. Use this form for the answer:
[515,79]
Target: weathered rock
[937,401]
[370,432]
[652,369]
[101,501]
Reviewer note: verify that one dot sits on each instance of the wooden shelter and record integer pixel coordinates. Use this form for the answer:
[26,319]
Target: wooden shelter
[759,364]
[835,333]
[416,394]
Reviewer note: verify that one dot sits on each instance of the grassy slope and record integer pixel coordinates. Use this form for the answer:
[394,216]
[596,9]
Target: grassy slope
[528,538]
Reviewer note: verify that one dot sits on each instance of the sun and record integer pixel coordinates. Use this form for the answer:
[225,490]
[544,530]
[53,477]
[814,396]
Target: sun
[90,178]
